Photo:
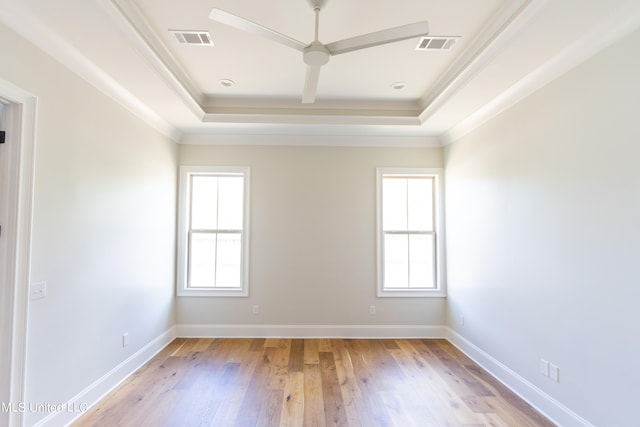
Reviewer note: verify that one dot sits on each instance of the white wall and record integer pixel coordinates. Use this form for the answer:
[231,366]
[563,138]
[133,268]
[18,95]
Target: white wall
[103,229]
[543,242]
[312,238]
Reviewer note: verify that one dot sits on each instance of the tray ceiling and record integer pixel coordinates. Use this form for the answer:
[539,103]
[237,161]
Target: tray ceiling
[240,83]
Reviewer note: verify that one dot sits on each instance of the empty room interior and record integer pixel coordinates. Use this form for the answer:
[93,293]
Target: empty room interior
[457,171]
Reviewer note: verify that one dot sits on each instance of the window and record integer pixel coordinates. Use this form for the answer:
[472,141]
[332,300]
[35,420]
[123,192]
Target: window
[213,234]
[409,235]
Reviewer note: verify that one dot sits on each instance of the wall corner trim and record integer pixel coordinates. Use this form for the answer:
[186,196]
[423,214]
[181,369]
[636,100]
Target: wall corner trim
[108,382]
[541,401]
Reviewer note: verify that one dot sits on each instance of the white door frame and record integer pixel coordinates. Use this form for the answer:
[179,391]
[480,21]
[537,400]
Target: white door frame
[16,209]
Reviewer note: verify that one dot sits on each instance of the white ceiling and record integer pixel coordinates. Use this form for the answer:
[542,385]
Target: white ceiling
[506,50]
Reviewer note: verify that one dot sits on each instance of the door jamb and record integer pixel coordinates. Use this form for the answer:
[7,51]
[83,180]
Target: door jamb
[17,200]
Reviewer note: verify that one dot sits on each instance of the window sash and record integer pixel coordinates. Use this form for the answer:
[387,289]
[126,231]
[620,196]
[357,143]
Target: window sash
[217,265]
[218,209]
[403,208]
[426,260]
[203,270]
[411,281]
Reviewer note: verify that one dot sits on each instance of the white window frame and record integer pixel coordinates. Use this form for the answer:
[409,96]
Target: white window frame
[184,214]
[438,196]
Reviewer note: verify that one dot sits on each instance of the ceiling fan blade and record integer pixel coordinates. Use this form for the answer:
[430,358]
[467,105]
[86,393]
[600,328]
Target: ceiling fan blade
[311,84]
[239,23]
[377,38]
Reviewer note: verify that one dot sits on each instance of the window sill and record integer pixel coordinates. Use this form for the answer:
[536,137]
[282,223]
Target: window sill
[408,293]
[212,293]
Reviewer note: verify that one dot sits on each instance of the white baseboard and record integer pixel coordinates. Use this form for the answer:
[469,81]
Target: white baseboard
[310,331]
[541,401]
[91,395]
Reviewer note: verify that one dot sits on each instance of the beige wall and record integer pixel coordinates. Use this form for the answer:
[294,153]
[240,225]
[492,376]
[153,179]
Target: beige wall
[312,238]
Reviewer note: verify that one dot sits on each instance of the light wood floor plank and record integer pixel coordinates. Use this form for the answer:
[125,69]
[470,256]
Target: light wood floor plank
[362,364]
[305,382]
[334,410]
[292,412]
[314,415]
[351,395]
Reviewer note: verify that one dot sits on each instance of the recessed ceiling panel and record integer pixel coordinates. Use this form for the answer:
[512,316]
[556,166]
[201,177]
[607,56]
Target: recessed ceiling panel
[263,69]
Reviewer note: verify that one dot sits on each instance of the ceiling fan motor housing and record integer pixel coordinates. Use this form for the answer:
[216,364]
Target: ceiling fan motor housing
[317,4]
[316,54]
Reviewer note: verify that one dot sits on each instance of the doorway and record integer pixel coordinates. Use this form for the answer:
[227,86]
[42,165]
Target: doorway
[17,120]
[5,288]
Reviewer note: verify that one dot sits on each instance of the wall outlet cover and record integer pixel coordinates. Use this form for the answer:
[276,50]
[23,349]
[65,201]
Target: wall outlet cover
[38,290]
[554,372]
[544,367]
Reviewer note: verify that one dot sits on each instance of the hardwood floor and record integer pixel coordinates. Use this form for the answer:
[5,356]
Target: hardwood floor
[311,382]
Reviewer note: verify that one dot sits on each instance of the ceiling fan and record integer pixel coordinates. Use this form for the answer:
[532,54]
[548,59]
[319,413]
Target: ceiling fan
[316,54]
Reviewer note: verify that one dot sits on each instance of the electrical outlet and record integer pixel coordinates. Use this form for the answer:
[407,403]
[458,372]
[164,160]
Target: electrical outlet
[125,339]
[462,320]
[372,310]
[544,367]
[256,309]
[554,372]
[38,290]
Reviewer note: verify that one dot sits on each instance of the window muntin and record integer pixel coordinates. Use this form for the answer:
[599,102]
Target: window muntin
[213,234]
[408,242]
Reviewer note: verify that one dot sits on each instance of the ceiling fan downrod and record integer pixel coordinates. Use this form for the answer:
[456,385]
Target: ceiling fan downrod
[316,54]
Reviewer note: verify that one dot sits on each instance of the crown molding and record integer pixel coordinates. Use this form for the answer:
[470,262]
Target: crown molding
[509,19]
[317,119]
[311,140]
[37,32]
[624,20]
[138,31]
[495,36]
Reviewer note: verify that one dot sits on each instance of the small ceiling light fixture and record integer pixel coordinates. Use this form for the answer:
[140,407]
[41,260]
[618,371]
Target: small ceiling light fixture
[226,82]
[398,85]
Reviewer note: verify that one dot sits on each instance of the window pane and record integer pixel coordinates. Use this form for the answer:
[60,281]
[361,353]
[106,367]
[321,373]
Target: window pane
[228,272]
[420,202]
[396,261]
[202,260]
[421,261]
[204,202]
[394,204]
[230,202]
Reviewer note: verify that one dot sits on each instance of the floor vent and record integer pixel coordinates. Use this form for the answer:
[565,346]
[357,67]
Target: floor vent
[194,38]
[436,43]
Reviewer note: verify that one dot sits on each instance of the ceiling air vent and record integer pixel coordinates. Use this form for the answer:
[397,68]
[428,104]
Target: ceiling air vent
[436,43]
[194,38]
